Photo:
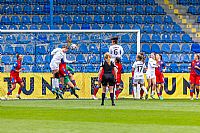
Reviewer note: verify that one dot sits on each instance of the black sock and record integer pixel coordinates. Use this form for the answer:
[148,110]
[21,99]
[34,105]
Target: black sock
[197,91]
[103,97]
[112,97]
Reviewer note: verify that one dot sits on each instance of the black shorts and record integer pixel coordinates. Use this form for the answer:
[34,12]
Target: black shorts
[108,79]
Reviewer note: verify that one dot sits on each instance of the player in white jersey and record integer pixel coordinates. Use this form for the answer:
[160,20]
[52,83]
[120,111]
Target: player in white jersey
[151,77]
[138,78]
[115,50]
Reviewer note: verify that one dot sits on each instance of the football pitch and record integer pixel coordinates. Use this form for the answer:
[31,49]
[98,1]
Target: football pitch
[87,116]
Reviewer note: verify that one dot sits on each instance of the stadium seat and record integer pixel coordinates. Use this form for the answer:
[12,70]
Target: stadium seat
[119,9]
[80,59]
[118,19]
[3,27]
[166,38]
[75,27]
[192,10]
[195,48]
[96,27]
[36,20]
[9,50]
[165,48]
[145,38]
[39,59]
[109,10]
[38,9]
[148,20]
[91,59]
[132,58]
[46,68]
[15,20]
[23,27]
[83,48]
[159,10]
[44,27]
[139,10]
[156,38]
[54,27]
[6,60]
[175,48]
[176,38]
[28,60]
[177,28]
[19,50]
[17,9]
[125,59]
[27,9]
[26,69]
[186,38]
[36,69]
[30,49]
[165,58]
[67,20]
[11,39]
[71,57]
[138,20]
[93,49]
[42,37]
[147,28]
[108,19]
[158,19]
[133,48]
[58,9]
[129,10]
[126,27]
[89,68]
[168,19]
[99,10]
[186,48]
[85,26]
[116,27]
[126,48]
[146,48]
[33,27]
[157,28]
[87,19]
[69,9]
[5,20]
[57,20]
[128,19]
[184,68]
[167,28]
[12,27]
[185,58]
[6,9]
[149,10]
[106,27]
[174,58]
[104,48]
[89,9]
[137,27]
[98,19]
[125,38]
[40,50]
[46,9]
[1,50]
[174,68]
[65,27]
[155,48]
[79,9]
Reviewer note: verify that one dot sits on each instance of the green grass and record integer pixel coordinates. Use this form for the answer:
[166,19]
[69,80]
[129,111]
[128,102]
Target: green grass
[87,116]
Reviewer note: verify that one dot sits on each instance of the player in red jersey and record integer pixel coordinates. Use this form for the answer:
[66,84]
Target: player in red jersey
[193,75]
[119,82]
[159,75]
[197,83]
[96,89]
[14,76]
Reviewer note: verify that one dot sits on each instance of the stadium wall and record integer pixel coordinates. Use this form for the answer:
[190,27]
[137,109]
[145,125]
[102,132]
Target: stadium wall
[38,85]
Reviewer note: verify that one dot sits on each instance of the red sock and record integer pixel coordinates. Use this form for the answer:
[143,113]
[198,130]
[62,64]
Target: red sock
[96,89]
[20,90]
[117,92]
[141,92]
[158,94]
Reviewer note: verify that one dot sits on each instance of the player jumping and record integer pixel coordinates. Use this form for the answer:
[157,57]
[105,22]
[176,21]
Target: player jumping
[197,70]
[159,75]
[14,77]
[108,78]
[193,75]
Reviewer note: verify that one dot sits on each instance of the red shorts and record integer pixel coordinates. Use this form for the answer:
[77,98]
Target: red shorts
[15,80]
[193,78]
[160,78]
[197,82]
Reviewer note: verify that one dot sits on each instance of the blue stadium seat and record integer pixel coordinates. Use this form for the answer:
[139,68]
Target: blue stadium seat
[134,38]
[28,60]
[12,27]
[57,20]
[33,27]
[132,58]
[145,38]
[175,48]
[79,9]
[148,20]
[198,19]
[104,48]
[46,19]
[6,9]
[44,27]
[146,48]
[138,20]
[156,38]
[19,50]
[9,50]
[174,68]
[119,9]
[39,59]
[27,68]
[67,20]
[25,20]
[125,38]
[84,37]
[129,10]
[139,10]
[147,28]
[126,48]
[157,28]
[42,37]
[71,57]
[65,27]
[192,10]
[168,19]
[149,10]
[27,9]
[1,50]
[38,9]
[195,48]
[116,27]
[80,59]
[165,48]
[46,68]
[40,50]
[11,39]
[158,19]
[36,69]
[185,58]
[75,27]
[17,9]
[128,19]
[155,48]
[108,19]
[177,28]
[118,19]
[36,20]
[165,58]
[83,48]
[96,27]
[87,19]
[85,26]
[58,9]
[89,9]
[176,38]
[5,20]
[54,27]
[63,37]
[186,38]
[109,10]
[93,48]
[137,27]
[3,27]
[91,59]
[106,27]
[159,10]
[89,68]
[30,49]
[126,27]
[167,28]
[98,19]
[125,59]
[15,20]
[69,9]
[133,48]
[184,68]
[51,46]
[166,38]
[6,60]
[174,58]
[186,48]
[78,19]
[99,10]
[46,9]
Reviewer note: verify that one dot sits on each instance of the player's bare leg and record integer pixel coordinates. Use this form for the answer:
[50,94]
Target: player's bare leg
[10,90]
[73,81]
[153,80]
[20,90]
[149,84]
[55,81]
[145,90]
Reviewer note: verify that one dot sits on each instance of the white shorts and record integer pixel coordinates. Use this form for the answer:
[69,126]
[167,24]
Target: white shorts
[150,75]
[54,65]
[138,81]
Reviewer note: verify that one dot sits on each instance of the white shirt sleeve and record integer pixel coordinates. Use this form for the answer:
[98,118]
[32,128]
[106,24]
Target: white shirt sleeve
[153,63]
[122,51]
[55,51]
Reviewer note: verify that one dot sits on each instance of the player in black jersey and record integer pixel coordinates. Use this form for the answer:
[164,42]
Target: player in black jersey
[109,77]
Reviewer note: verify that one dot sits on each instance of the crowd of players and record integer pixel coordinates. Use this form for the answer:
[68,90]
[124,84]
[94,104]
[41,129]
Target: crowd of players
[109,74]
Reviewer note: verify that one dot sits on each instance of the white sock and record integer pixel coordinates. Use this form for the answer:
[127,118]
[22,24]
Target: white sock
[57,83]
[138,92]
[53,83]
[145,90]
[152,93]
[135,91]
